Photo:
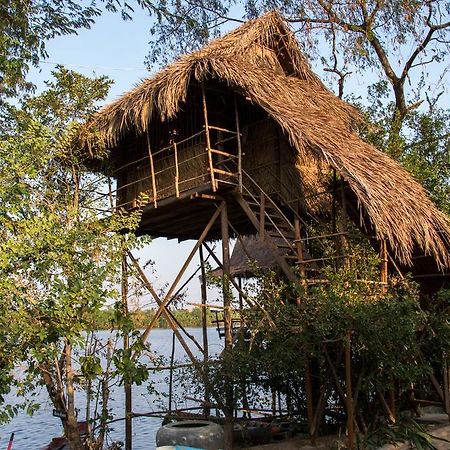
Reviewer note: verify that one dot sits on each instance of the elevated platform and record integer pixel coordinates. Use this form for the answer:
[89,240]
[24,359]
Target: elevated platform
[185,217]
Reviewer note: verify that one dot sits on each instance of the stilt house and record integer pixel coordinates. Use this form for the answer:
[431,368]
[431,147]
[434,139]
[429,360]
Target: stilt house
[246,124]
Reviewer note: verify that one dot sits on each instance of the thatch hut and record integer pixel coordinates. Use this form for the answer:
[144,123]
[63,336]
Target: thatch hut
[246,116]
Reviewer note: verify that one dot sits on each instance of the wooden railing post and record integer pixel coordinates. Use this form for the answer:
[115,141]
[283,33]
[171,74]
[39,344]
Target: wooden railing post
[238,136]
[384,264]
[152,170]
[177,174]
[208,140]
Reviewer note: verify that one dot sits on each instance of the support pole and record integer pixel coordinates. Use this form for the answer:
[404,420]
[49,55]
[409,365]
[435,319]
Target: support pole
[445,375]
[343,222]
[309,403]
[172,357]
[238,137]
[348,385]
[126,348]
[197,364]
[168,296]
[227,315]
[206,408]
[384,264]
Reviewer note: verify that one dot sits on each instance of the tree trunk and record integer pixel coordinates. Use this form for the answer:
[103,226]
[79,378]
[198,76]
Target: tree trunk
[71,423]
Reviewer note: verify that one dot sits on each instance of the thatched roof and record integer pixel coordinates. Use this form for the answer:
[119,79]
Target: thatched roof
[262,60]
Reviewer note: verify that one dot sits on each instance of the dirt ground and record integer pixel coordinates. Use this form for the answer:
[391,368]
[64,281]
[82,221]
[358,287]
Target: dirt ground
[436,424]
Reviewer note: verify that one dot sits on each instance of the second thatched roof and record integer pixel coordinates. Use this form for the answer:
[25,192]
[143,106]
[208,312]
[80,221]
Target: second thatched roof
[262,61]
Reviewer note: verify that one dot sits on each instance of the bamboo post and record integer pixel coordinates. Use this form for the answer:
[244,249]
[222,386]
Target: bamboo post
[239,144]
[309,403]
[126,348]
[445,374]
[262,215]
[343,224]
[298,246]
[152,171]
[172,356]
[384,264]
[228,429]
[206,408]
[333,205]
[301,265]
[208,140]
[177,174]
[348,385]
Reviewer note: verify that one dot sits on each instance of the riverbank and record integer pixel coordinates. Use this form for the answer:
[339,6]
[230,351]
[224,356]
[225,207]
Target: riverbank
[107,318]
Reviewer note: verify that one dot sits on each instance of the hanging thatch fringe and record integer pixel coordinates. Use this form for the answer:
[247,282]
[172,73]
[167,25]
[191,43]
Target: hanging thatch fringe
[262,60]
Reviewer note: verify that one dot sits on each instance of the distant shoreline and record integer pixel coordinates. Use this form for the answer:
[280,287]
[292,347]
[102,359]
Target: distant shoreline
[109,319]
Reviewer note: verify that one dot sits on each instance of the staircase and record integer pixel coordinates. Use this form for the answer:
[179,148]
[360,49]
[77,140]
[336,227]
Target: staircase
[281,234]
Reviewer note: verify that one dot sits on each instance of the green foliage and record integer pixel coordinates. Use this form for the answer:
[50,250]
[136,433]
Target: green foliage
[393,339]
[26,26]
[59,263]
[405,430]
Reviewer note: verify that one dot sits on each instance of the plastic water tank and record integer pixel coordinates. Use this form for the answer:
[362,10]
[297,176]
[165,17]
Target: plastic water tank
[199,434]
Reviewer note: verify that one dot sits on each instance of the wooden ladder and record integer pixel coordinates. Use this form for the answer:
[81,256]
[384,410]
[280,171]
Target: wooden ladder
[275,228]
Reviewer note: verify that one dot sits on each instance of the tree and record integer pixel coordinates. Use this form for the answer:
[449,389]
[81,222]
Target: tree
[26,26]
[59,263]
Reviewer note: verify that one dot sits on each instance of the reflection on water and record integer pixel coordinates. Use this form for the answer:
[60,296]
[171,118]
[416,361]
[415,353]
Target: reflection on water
[37,431]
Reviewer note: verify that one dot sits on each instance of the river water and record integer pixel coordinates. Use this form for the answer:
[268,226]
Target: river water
[35,432]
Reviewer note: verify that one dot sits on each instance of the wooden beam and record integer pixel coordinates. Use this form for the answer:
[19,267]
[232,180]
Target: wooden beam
[168,297]
[197,365]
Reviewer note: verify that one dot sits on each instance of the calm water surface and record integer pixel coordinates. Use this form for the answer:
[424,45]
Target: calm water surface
[35,432]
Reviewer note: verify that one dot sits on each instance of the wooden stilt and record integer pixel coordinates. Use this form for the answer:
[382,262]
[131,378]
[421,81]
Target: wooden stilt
[227,312]
[126,348]
[349,395]
[172,357]
[168,296]
[445,376]
[206,408]
[197,365]
[309,402]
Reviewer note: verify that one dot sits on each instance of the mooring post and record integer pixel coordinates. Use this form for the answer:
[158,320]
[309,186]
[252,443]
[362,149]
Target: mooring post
[227,315]
[126,348]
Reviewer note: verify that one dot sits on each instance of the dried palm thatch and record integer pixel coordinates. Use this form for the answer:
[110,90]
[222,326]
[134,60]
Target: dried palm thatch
[262,60]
